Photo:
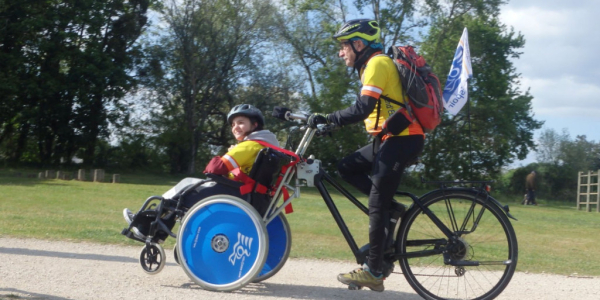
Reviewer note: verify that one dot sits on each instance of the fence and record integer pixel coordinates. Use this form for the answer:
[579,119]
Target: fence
[587,190]
[96,175]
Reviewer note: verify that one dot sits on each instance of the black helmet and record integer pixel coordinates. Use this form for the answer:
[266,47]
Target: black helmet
[363,28]
[246,110]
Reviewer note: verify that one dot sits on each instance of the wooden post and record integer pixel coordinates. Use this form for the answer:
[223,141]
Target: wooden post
[587,194]
[59,175]
[596,191]
[579,190]
[98,175]
[41,175]
[115,178]
[50,174]
[81,175]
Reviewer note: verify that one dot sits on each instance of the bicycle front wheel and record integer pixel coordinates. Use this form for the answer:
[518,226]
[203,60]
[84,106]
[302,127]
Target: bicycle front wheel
[476,262]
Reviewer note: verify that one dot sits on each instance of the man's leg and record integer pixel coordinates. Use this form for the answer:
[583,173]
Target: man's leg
[356,167]
[532,197]
[390,162]
[389,165]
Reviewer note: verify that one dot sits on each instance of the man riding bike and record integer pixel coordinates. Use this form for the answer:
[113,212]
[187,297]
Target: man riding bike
[375,169]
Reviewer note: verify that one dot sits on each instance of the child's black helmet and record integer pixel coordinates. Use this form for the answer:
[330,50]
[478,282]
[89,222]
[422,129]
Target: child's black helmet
[246,110]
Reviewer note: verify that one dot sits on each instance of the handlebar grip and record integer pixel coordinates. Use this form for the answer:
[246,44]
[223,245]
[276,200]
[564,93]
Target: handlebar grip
[284,113]
[280,112]
[292,116]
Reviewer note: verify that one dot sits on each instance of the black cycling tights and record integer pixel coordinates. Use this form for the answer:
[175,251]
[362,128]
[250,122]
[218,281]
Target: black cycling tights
[385,165]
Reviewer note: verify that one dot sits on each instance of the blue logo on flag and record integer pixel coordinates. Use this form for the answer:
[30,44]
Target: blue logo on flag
[453,80]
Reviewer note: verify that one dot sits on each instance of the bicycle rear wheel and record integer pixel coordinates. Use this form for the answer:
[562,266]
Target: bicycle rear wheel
[480,258]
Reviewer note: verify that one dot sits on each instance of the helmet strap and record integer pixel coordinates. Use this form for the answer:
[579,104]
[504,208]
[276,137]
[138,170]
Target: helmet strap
[363,55]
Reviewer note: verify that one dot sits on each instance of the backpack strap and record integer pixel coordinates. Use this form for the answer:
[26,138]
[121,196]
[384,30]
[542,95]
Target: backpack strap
[378,111]
[387,99]
[288,152]
[248,182]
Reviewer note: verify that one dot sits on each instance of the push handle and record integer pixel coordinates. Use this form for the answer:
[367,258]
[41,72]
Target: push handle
[285,114]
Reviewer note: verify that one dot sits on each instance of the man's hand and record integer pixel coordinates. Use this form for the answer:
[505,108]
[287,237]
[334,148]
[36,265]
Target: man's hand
[316,119]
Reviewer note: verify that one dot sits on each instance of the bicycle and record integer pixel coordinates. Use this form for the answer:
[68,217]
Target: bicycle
[451,243]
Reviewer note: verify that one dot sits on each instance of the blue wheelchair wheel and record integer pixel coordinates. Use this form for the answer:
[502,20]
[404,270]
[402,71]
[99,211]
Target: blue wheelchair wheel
[222,243]
[280,242]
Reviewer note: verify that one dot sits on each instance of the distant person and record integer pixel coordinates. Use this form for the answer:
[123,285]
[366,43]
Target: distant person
[530,186]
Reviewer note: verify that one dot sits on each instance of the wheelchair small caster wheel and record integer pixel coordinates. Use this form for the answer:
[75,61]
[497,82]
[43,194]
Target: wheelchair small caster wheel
[354,287]
[152,258]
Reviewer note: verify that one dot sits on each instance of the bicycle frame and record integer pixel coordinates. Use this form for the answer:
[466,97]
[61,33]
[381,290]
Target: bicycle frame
[320,177]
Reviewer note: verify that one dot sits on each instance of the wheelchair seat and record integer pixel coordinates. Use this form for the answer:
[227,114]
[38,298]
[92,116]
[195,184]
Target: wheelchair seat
[265,171]
[267,166]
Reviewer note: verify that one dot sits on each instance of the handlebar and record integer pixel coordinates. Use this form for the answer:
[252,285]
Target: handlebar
[286,114]
[295,116]
[320,130]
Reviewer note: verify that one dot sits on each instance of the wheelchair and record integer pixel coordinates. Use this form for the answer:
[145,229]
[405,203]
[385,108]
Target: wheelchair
[226,239]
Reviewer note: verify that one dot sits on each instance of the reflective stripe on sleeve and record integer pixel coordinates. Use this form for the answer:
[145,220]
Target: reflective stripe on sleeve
[371,90]
[230,162]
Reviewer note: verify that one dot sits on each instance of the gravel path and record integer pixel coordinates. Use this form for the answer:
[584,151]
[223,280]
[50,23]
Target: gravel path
[39,269]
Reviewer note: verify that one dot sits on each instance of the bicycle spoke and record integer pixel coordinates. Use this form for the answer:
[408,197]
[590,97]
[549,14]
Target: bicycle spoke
[451,215]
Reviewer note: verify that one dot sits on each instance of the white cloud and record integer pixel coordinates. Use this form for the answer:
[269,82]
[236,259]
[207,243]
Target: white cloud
[564,96]
[557,42]
[536,21]
[560,63]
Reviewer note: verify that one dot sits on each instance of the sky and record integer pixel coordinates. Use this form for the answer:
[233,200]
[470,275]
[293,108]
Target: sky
[560,64]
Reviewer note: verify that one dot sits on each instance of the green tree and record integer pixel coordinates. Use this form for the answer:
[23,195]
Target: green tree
[579,155]
[207,59]
[549,145]
[304,30]
[67,62]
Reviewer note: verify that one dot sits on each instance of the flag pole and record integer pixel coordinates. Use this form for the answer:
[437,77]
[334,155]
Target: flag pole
[470,139]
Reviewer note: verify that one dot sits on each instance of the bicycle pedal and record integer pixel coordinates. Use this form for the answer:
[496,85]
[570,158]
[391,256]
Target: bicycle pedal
[354,287]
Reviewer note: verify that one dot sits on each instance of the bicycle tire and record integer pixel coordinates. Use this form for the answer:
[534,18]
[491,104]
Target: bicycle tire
[492,243]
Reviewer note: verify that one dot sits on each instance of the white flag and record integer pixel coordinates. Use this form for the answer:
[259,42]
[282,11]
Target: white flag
[455,91]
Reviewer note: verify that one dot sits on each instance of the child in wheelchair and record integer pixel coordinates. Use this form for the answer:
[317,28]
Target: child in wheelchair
[226,175]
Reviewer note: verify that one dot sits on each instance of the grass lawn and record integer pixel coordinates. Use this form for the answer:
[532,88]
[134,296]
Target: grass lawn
[553,238]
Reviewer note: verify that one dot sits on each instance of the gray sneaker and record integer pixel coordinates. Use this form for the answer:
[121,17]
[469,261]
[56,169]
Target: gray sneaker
[360,278]
[128,216]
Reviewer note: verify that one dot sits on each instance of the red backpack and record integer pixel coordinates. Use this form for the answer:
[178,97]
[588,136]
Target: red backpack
[420,85]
